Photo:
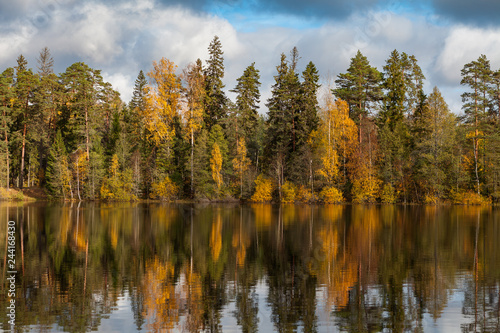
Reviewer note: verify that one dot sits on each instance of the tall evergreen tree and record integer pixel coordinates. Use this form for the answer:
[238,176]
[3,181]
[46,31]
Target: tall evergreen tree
[360,87]
[138,94]
[495,95]
[215,98]
[434,147]
[309,119]
[47,100]
[25,86]
[45,62]
[247,101]
[279,124]
[82,85]
[476,75]
[58,174]
[403,81]
[6,112]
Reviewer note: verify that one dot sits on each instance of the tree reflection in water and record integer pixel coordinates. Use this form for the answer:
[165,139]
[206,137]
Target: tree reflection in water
[193,267]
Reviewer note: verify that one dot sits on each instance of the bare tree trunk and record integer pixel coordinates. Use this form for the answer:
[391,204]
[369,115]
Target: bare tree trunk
[78,179]
[192,163]
[23,149]
[87,132]
[7,155]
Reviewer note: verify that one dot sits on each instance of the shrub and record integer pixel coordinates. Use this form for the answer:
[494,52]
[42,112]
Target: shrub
[303,194]
[263,189]
[330,194]
[468,198]
[388,194]
[288,192]
[164,190]
[431,199]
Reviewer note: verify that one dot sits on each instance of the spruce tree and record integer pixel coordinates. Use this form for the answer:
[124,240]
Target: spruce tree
[403,81]
[58,175]
[247,101]
[47,100]
[138,95]
[277,138]
[45,62]
[215,98]
[434,147]
[309,119]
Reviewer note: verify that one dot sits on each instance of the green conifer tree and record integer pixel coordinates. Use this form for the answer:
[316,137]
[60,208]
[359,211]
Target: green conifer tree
[215,98]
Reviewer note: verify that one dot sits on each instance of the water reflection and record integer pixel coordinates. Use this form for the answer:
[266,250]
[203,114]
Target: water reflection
[251,268]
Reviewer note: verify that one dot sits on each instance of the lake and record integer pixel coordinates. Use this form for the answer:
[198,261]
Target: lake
[124,267]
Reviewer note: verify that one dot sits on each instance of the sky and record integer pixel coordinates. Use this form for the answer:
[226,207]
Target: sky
[122,37]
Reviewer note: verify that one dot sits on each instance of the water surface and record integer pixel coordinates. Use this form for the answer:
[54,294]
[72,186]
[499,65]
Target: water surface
[190,268]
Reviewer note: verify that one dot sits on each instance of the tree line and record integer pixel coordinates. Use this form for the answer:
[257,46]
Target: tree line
[376,137]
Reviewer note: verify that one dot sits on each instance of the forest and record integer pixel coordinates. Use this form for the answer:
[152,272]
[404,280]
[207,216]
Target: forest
[376,137]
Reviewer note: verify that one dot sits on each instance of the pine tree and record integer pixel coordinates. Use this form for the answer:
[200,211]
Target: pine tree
[47,101]
[215,98]
[25,86]
[6,110]
[361,88]
[82,85]
[476,75]
[495,95]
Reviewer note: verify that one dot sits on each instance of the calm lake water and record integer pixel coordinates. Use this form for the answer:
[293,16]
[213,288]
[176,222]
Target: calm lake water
[231,268]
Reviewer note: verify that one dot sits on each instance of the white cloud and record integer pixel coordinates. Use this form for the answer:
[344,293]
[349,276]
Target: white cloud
[123,37]
[463,45]
[123,83]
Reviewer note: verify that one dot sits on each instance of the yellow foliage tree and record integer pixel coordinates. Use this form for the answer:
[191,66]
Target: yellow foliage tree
[289,192]
[216,165]
[241,162]
[330,194]
[193,110]
[263,189]
[164,190]
[338,139]
[162,102]
[366,185]
[117,185]
[388,194]
[80,167]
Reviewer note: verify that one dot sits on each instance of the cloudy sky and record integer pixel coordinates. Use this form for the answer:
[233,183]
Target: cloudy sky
[123,37]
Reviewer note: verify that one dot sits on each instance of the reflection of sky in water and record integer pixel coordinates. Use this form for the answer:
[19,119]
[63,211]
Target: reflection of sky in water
[436,269]
[450,320]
